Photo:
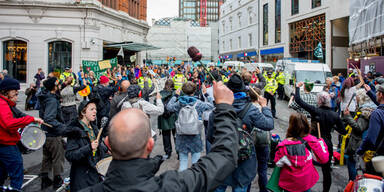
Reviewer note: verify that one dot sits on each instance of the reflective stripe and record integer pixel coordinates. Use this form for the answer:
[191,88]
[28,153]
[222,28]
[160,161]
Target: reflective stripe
[178,81]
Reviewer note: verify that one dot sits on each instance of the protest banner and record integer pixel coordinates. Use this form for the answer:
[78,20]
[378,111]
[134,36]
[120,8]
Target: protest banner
[99,67]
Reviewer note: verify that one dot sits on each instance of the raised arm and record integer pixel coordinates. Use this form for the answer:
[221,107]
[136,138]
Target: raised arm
[311,109]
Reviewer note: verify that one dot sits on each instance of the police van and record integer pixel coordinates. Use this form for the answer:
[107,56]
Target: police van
[304,71]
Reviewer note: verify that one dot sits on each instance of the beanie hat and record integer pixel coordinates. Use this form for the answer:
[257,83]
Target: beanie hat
[236,84]
[103,79]
[133,91]
[50,83]
[9,84]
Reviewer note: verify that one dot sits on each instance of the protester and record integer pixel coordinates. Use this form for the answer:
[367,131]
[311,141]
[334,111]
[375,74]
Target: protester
[53,150]
[294,156]
[307,97]
[327,120]
[39,77]
[166,121]
[374,140]
[186,144]
[359,124]
[131,143]
[68,95]
[117,100]
[31,99]
[11,120]
[83,149]
[244,174]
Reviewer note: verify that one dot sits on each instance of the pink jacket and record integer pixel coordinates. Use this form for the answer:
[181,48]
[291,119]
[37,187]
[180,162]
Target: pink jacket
[298,172]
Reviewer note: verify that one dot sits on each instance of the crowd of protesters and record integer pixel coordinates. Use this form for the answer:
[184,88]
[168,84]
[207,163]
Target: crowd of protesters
[190,114]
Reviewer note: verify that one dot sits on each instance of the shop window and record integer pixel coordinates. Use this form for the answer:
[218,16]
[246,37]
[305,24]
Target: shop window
[59,55]
[15,59]
[277,21]
[294,7]
[265,24]
[316,3]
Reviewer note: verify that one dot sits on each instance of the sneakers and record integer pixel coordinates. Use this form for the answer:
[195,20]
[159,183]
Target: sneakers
[57,182]
[45,181]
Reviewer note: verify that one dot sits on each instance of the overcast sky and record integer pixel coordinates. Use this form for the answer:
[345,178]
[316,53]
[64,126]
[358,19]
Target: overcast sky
[161,8]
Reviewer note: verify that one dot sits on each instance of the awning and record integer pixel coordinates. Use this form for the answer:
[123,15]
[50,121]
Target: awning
[247,54]
[132,46]
[272,51]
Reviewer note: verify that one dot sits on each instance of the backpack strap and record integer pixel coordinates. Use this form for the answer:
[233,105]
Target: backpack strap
[243,112]
[304,142]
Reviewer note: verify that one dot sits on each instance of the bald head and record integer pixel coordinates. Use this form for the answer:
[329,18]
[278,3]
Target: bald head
[124,85]
[129,134]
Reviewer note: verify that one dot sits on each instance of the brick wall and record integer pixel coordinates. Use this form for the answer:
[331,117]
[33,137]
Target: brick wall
[135,8]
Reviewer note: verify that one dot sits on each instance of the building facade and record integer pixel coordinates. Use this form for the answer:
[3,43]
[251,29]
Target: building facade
[135,8]
[52,34]
[174,36]
[295,28]
[193,9]
[238,30]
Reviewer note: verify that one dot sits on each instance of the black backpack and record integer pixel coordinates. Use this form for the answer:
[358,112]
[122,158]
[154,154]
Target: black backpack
[167,114]
[245,135]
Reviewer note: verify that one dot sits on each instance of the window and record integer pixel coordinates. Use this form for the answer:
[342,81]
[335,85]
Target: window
[239,17]
[250,39]
[294,7]
[15,59]
[59,55]
[239,41]
[223,45]
[230,23]
[277,21]
[265,24]
[230,44]
[316,3]
[223,27]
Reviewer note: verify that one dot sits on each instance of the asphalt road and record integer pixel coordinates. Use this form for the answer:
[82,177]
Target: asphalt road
[32,161]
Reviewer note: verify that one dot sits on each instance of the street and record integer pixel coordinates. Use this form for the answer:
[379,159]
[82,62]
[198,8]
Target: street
[32,161]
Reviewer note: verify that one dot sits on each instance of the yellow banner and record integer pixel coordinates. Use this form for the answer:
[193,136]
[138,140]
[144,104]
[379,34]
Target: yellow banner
[105,64]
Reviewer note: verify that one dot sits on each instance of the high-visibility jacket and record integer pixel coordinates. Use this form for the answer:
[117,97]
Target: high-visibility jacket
[64,75]
[224,78]
[271,85]
[280,78]
[178,80]
[140,82]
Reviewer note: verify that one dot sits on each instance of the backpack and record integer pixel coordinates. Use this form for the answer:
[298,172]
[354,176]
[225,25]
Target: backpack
[188,122]
[166,113]
[245,137]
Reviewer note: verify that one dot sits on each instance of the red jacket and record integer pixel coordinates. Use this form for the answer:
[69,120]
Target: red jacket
[9,125]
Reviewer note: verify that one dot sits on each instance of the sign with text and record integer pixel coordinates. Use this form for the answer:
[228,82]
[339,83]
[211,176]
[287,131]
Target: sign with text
[99,67]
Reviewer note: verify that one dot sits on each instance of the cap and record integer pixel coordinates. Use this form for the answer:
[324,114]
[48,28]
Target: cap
[84,104]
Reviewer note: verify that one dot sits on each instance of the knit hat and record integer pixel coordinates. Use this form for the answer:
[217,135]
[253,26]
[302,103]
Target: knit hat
[133,91]
[236,84]
[9,84]
[50,83]
[103,79]
[379,88]
[84,104]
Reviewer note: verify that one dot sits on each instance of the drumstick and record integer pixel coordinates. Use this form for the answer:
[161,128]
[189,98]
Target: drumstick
[318,129]
[48,125]
[354,94]
[97,139]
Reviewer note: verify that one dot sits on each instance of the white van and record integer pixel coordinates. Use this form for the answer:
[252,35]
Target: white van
[261,66]
[302,72]
[237,65]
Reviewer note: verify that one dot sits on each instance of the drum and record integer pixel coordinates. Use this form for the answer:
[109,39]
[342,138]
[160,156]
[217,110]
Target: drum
[366,184]
[32,138]
[103,165]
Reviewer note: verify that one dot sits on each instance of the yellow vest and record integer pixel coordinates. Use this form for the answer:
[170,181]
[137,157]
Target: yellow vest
[271,85]
[224,78]
[281,78]
[64,75]
[178,81]
[140,82]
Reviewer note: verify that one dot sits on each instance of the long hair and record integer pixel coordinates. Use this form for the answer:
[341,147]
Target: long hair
[169,85]
[348,83]
[298,126]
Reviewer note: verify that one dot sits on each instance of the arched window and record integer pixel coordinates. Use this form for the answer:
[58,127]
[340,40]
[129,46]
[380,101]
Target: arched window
[59,55]
[15,59]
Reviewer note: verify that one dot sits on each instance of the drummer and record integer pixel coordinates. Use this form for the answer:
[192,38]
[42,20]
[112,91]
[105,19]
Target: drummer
[11,120]
[83,148]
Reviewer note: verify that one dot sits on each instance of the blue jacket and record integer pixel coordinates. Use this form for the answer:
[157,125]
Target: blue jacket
[246,170]
[375,132]
[175,105]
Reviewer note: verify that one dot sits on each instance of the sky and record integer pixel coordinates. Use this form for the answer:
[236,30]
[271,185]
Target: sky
[158,9]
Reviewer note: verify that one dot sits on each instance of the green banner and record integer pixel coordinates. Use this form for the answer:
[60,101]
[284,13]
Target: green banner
[99,67]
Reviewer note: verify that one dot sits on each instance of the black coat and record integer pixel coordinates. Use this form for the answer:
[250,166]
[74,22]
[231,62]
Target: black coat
[79,152]
[50,112]
[205,175]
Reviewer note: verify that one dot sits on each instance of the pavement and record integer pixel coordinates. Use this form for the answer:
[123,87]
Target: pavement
[32,161]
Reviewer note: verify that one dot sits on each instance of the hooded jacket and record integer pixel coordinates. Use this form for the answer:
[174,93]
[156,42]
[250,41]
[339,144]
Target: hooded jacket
[50,112]
[205,175]
[79,152]
[11,119]
[298,172]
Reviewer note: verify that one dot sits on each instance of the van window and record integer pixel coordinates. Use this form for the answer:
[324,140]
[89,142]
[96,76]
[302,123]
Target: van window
[310,76]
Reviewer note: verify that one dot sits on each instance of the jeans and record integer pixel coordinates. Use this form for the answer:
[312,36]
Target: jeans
[11,163]
[222,188]
[184,160]
[351,164]
[262,154]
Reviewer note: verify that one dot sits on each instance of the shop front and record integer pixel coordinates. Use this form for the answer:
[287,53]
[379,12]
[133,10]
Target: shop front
[247,57]
[272,55]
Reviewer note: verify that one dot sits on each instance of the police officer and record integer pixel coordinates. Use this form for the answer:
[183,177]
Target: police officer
[280,78]
[142,80]
[270,90]
[179,79]
[68,73]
